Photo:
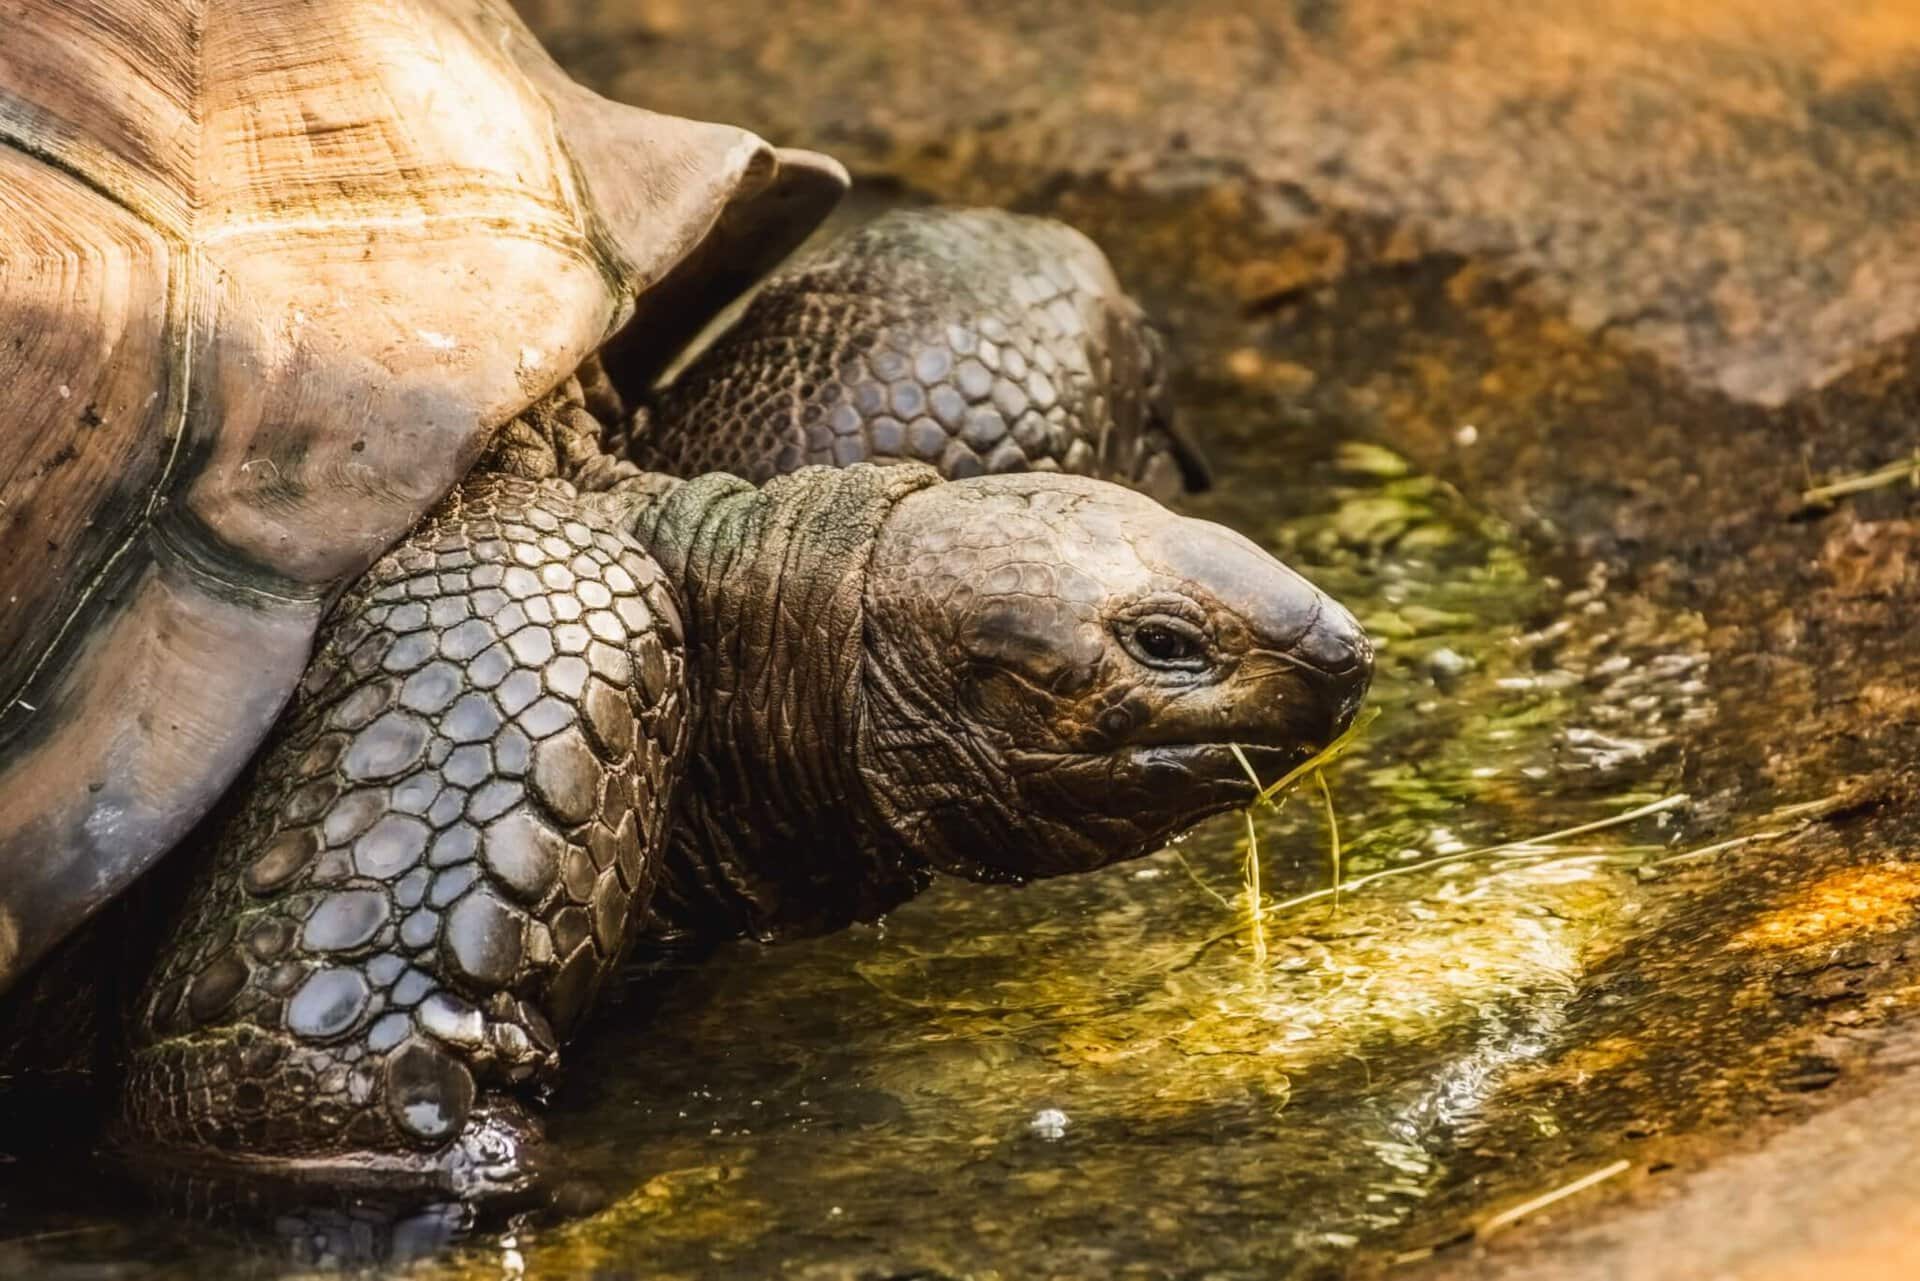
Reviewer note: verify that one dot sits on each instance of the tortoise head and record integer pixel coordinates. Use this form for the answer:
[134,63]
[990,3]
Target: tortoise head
[1002,678]
[1058,671]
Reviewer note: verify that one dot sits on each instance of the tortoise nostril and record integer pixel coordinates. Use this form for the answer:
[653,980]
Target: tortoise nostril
[1337,647]
[1334,643]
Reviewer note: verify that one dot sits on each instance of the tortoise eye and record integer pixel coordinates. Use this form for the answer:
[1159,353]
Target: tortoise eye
[1166,641]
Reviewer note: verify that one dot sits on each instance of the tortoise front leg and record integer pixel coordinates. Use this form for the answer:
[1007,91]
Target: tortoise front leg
[438,859]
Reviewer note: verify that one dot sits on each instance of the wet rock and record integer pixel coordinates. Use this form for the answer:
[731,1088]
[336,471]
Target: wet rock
[1731,189]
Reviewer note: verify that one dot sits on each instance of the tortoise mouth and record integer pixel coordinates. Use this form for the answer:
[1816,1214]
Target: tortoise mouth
[1288,730]
[1204,765]
[1090,809]
[1217,766]
[1181,783]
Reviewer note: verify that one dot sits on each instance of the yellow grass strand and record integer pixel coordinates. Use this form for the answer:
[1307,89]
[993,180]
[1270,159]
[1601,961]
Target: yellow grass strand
[1325,756]
[1907,469]
[1460,856]
[1648,810]
[1256,906]
[1507,1218]
[1256,902]
[1254,777]
[1721,847]
[1333,835]
[1194,876]
[1271,797]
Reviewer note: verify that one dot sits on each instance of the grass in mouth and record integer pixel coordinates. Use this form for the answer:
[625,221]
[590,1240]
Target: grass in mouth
[1273,796]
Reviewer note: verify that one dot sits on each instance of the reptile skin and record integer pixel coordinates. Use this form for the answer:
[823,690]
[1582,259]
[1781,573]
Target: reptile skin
[582,700]
[433,871]
[977,341]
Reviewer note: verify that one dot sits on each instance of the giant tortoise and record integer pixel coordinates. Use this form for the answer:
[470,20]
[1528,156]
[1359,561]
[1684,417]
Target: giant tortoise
[346,562]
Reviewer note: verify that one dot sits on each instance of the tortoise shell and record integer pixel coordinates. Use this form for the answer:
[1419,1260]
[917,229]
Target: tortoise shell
[270,273]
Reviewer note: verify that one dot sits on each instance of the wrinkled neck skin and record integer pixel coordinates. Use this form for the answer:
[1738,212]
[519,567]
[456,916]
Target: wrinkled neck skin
[777,833]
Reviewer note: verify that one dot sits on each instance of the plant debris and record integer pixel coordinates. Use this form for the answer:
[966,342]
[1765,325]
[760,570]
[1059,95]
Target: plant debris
[1272,796]
[1507,1218]
[1907,469]
[1530,847]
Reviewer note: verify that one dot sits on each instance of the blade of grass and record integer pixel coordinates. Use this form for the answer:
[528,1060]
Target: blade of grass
[1507,1218]
[1333,835]
[1256,904]
[1324,756]
[1460,856]
[1194,876]
[1254,777]
[1721,847]
[1892,474]
[1648,810]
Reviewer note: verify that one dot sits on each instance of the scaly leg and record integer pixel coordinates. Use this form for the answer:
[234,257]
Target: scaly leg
[437,860]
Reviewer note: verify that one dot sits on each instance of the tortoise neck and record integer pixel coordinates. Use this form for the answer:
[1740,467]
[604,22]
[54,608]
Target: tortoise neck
[776,834]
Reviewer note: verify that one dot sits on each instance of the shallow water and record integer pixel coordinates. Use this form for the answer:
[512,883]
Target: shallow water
[1094,1077]
[1097,1077]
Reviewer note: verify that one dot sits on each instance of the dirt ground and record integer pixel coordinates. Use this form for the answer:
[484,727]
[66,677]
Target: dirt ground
[1633,275]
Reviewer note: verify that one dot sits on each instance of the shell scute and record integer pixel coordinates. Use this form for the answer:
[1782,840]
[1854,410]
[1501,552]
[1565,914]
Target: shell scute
[270,274]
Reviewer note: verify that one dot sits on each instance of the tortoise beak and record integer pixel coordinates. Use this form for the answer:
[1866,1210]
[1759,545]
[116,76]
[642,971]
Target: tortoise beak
[1305,691]
[1337,653]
